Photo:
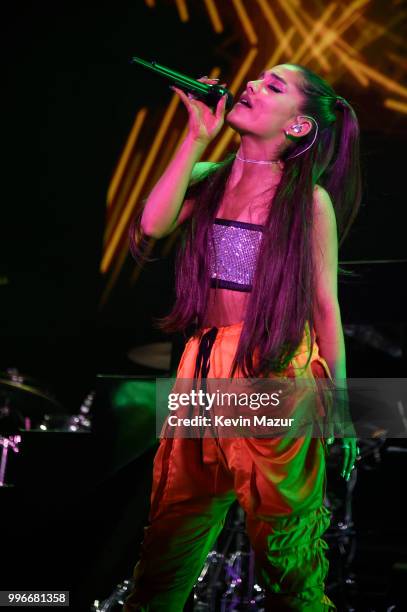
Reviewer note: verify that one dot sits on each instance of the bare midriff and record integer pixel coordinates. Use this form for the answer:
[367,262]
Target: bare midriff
[226,307]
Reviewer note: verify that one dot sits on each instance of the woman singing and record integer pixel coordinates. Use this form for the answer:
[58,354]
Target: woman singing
[272,215]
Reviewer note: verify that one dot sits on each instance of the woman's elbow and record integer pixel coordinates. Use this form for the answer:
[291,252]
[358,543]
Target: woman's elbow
[149,231]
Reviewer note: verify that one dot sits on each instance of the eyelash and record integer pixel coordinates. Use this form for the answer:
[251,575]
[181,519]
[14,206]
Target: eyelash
[274,88]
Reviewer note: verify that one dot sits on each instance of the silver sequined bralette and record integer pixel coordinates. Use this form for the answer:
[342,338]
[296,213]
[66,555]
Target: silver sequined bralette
[233,263]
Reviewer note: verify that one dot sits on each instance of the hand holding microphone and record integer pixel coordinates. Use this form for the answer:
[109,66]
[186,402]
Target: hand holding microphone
[204,125]
[199,97]
[210,93]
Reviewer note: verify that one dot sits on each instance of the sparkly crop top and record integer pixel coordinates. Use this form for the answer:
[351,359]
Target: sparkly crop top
[233,262]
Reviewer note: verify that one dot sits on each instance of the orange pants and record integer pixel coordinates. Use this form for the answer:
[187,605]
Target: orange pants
[279,482]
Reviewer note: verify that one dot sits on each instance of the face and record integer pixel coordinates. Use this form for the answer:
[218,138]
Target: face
[275,100]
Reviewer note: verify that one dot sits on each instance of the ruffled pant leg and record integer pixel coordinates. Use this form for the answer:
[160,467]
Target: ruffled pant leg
[291,561]
[280,484]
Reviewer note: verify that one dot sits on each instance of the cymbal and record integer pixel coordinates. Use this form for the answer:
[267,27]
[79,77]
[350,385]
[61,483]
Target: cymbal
[155,355]
[22,389]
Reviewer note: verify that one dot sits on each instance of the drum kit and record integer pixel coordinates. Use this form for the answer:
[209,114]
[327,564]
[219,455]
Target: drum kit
[27,405]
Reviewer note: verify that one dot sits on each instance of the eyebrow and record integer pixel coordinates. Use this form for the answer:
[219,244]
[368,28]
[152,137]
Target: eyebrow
[279,78]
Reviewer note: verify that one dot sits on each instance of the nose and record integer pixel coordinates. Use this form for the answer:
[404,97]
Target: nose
[251,86]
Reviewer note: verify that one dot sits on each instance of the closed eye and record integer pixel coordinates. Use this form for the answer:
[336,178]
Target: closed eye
[274,88]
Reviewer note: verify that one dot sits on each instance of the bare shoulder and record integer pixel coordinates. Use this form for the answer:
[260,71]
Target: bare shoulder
[324,213]
[322,201]
[325,248]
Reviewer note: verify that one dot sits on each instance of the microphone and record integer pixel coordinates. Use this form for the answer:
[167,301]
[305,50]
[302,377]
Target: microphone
[209,94]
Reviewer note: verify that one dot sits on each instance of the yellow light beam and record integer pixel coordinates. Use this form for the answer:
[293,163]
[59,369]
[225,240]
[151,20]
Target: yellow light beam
[278,51]
[119,260]
[376,76]
[214,16]
[214,73]
[375,30]
[237,81]
[329,38]
[350,49]
[182,10]
[245,21]
[273,22]
[361,71]
[401,107]
[349,62]
[311,37]
[332,35]
[356,5]
[128,210]
[115,210]
[303,31]
[117,267]
[123,161]
[397,59]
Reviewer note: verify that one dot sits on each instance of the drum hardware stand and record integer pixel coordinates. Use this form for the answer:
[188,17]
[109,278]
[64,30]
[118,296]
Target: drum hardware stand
[341,538]
[227,582]
[115,601]
[7,443]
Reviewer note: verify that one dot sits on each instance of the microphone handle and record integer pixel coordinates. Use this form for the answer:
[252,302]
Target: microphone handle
[209,94]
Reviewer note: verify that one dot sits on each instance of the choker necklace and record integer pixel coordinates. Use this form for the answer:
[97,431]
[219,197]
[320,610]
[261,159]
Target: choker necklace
[255,161]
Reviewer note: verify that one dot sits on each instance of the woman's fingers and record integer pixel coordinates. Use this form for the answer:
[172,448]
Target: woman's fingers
[181,94]
[188,99]
[345,463]
[350,453]
[220,107]
[205,122]
[206,79]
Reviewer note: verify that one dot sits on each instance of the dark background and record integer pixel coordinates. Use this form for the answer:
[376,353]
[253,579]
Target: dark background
[70,97]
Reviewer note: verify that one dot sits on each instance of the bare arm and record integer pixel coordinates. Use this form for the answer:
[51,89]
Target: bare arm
[328,324]
[165,200]
[161,210]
